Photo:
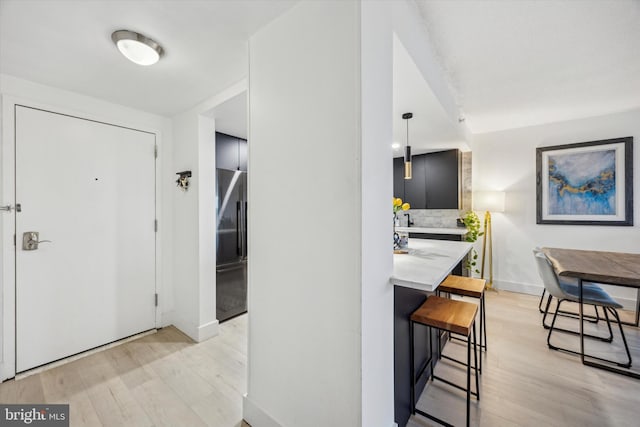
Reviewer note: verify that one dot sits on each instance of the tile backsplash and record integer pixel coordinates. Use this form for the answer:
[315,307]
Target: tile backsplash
[431,217]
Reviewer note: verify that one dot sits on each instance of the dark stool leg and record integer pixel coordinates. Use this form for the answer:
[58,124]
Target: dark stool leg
[468,381]
[484,318]
[474,344]
[412,369]
[475,358]
[432,362]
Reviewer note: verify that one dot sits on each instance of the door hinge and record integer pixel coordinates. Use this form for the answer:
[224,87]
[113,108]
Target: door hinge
[155,225]
[156,300]
[14,240]
[155,151]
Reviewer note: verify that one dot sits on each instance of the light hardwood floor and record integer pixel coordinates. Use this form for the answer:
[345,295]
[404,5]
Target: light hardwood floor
[526,384]
[165,379]
[162,379]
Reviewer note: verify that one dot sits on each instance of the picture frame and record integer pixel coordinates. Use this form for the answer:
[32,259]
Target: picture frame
[586,183]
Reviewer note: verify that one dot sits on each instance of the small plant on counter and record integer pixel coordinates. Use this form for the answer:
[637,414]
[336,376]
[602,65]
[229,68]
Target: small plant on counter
[399,206]
[472,222]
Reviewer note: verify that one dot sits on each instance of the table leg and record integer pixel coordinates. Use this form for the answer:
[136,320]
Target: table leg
[581,309]
[637,309]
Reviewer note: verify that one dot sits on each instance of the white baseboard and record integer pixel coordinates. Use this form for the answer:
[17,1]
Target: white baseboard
[529,289]
[255,416]
[520,288]
[208,330]
[197,333]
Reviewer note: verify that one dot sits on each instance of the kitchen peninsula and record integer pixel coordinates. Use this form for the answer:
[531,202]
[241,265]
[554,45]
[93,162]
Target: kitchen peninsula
[416,275]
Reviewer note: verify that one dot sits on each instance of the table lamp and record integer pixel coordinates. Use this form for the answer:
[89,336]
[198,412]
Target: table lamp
[488,201]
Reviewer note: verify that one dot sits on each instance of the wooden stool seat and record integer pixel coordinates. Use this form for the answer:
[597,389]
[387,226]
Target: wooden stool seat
[466,286]
[446,314]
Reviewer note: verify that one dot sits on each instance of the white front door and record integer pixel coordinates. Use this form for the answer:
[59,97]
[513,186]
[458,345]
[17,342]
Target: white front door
[89,189]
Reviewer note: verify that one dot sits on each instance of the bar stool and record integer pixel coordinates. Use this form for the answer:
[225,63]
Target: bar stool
[455,317]
[469,287]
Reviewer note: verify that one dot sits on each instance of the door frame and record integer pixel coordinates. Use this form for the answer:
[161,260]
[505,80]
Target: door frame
[8,251]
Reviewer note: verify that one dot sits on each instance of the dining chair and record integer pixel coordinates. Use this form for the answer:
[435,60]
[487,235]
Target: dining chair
[572,283]
[590,295]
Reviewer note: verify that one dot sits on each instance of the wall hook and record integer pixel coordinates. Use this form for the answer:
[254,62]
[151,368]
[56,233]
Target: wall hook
[183,180]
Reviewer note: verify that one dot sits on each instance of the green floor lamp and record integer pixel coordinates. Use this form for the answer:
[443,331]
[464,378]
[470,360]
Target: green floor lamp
[488,201]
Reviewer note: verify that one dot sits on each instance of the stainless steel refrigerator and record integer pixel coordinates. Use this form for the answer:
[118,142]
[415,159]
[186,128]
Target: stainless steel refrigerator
[231,243]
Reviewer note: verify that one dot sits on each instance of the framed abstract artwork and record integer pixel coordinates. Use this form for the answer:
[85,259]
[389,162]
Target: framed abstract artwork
[589,183]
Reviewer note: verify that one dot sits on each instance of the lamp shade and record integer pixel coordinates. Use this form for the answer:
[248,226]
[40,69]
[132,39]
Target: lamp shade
[492,201]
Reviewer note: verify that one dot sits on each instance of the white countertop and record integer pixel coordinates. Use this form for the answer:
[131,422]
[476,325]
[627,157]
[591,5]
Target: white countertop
[428,230]
[427,264]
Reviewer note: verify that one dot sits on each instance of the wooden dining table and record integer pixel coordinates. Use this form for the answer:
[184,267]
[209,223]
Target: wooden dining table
[610,268]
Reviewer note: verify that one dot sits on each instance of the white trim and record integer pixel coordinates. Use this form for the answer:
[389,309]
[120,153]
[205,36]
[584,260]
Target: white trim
[255,416]
[627,303]
[531,289]
[521,288]
[8,340]
[196,333]
[208,330]
[7,221]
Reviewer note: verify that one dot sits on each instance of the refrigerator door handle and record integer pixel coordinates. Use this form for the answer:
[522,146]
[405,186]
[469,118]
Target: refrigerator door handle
[238,228]
[244,229]
[241,229]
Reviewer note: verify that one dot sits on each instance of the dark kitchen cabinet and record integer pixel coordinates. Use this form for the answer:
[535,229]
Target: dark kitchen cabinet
[441,179]
[398,177]
[231,152]
[435,182]
[414,188]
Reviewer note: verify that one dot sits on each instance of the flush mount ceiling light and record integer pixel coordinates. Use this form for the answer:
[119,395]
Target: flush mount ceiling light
[136,47]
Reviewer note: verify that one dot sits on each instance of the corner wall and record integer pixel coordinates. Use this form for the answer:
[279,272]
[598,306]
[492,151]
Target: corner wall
[320,305]
[506,161]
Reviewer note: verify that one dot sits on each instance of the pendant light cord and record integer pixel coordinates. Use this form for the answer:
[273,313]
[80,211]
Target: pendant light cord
[407,143]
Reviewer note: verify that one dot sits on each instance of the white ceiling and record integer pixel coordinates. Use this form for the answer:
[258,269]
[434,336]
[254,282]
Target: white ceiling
[521,63]
[430,129]
[510,63]
[67,44]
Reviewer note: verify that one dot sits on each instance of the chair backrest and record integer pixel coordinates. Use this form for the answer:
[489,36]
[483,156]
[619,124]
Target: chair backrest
[548,274]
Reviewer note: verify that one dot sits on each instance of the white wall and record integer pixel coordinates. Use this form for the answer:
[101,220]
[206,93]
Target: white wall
[506,161]
[15,90]
[194,213]
[305,273]
[377,187]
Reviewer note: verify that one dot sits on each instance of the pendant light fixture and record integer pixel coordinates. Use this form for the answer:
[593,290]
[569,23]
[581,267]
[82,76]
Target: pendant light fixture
[137,47]
[407,149]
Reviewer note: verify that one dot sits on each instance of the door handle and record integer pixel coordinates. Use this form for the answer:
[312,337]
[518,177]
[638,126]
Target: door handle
[31,240]
[9,208]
